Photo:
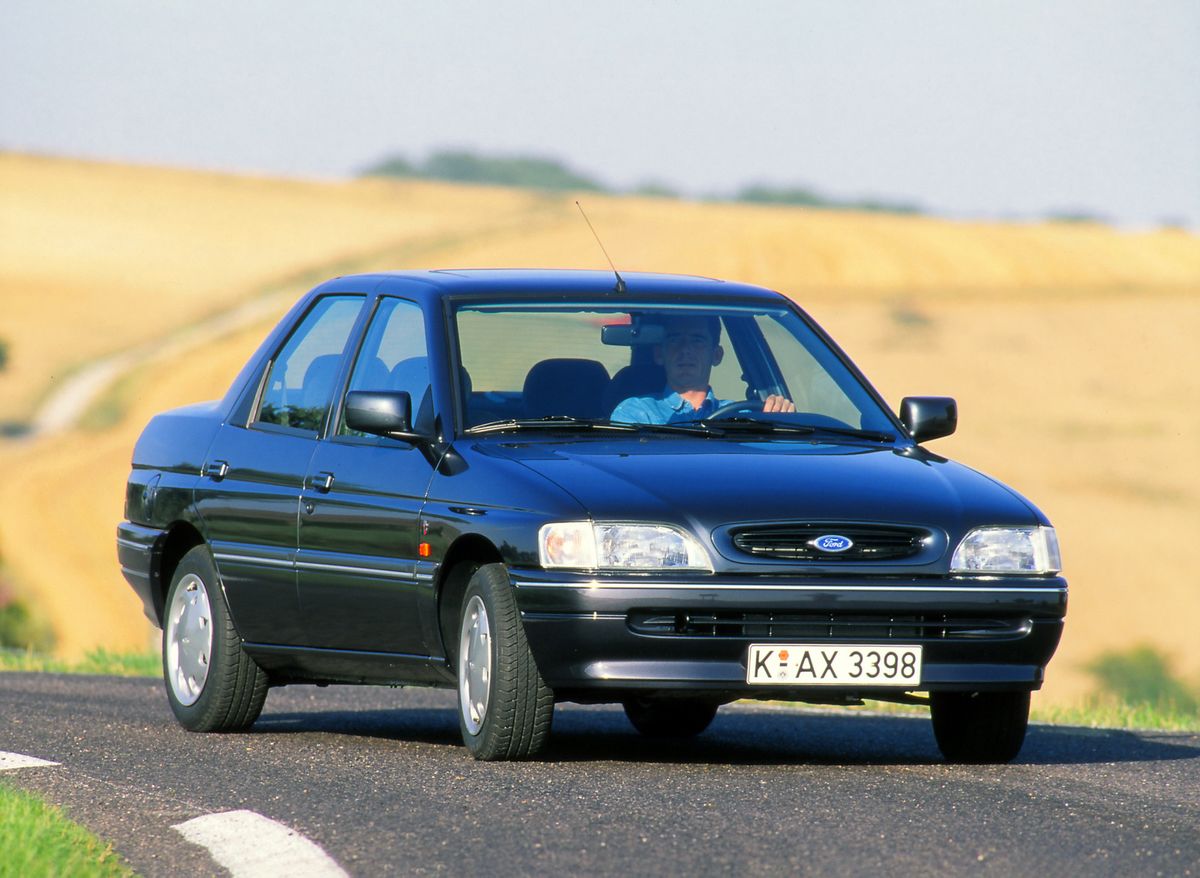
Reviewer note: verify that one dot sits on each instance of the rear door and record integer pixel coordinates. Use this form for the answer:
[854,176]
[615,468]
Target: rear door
[249,497]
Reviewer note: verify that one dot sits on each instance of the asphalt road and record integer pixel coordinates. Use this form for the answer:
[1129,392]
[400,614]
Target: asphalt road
[378,778]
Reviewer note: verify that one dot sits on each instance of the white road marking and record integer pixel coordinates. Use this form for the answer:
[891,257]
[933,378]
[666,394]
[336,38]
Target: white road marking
[251,845]
[11,761]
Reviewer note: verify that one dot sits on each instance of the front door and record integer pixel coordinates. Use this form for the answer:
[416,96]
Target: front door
[361,505]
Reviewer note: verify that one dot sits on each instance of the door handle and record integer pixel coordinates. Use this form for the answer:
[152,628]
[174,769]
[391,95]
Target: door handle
[217,469]
[323,481]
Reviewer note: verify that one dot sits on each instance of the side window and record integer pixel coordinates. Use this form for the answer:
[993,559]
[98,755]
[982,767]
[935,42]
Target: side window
[394,357]
[300,384]
[809,382]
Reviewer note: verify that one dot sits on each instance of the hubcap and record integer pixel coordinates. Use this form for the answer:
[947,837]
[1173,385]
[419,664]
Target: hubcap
[189,639]
[474,664]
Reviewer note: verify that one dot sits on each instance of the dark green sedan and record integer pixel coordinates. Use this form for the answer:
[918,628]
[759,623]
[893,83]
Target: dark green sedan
[540,486]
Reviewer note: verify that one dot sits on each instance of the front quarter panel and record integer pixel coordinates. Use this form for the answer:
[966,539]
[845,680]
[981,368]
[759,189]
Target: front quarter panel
[498,499]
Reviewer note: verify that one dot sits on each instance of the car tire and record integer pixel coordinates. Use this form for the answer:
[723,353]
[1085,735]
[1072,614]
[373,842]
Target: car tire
[979,727]
[212,685]
[670,718]
[505,707]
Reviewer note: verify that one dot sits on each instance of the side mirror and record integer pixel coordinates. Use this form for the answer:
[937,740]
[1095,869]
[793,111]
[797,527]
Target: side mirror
[929,417]
[381,413]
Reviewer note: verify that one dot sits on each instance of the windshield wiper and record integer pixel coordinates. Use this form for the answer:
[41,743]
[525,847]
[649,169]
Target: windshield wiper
[567,422]
[758,425]
[872,435]
[755,425]
[691,428]
[551,422]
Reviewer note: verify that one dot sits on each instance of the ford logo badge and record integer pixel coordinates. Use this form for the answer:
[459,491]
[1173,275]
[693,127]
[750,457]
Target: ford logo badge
[833,543]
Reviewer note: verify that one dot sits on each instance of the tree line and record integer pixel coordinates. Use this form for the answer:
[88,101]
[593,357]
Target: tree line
[540,172]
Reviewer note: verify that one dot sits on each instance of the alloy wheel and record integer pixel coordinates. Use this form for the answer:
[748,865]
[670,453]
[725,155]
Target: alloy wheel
[189,639]
[475,664]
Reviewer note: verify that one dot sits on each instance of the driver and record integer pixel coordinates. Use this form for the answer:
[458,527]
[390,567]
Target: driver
[690,348]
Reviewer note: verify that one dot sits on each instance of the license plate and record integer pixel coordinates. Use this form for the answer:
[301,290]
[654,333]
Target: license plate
[814,664]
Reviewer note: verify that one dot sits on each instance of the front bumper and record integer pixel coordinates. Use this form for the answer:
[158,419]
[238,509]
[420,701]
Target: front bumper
[597,635]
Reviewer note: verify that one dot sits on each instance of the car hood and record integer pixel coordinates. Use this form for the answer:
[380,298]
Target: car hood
[708,483]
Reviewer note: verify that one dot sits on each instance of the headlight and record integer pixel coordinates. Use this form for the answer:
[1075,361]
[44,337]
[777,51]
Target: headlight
[1007,550]
[599,545]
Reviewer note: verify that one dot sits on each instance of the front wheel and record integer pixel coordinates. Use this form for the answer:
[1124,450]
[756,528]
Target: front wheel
[505,708]
[979,727]
[212,685]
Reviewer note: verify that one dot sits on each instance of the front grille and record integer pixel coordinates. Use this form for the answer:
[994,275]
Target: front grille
[795,542]
[824,626]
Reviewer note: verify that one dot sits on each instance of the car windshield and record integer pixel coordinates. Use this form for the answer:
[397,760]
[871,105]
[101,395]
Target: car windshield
[688,369]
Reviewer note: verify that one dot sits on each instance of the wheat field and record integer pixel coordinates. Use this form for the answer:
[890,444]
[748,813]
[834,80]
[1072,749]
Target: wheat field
[1070,348]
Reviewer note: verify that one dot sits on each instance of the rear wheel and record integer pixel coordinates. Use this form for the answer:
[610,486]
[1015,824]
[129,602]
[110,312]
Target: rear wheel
[979,727]
[505,707]
[212,685]
[670,717]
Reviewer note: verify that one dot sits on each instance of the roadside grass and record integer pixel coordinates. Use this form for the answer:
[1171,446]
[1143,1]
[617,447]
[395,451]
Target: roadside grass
[98,661]
[1135,688]
[37,839]
[21,628]
[1107,712]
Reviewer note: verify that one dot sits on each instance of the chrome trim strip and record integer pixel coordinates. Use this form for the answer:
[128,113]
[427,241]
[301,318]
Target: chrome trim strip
[342,568]
[317,566]
[582,617]
[252,559]
[788,588]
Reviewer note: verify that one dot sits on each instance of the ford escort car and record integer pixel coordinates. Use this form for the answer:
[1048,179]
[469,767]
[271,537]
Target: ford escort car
[543,486]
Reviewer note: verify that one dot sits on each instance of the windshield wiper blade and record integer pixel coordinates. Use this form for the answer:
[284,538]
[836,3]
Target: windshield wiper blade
[872,435]
[767,426]
[690,428]
[551,422]
[757,425]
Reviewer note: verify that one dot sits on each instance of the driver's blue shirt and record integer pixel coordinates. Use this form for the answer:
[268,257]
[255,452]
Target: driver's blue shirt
[666,408]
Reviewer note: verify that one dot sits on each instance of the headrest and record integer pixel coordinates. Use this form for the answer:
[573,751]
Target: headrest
[566,386]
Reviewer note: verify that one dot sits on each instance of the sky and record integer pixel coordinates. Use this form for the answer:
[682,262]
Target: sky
[1011,109]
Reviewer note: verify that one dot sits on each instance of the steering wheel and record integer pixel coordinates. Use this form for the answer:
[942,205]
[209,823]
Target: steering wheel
[738,405]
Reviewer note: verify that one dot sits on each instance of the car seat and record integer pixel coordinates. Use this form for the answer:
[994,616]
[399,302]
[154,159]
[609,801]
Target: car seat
[412,376]
[644,379]
[317,386]
[565,386]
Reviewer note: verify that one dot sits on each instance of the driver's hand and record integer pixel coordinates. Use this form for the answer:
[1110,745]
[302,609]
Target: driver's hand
[777,403]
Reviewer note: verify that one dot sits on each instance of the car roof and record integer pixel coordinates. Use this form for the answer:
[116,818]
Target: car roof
[535,282]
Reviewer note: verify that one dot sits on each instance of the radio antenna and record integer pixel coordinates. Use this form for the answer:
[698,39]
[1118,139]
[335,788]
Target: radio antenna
[620,287]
